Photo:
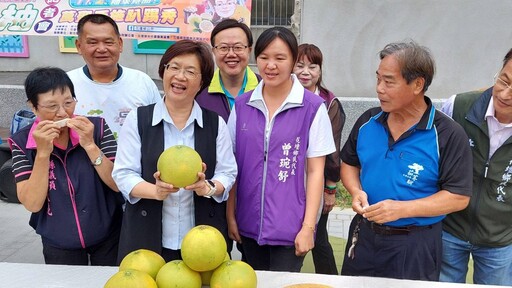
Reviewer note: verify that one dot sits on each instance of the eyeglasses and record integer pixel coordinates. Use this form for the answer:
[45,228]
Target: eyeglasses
[224,49]
[175,70]
[56,107]
[502,82]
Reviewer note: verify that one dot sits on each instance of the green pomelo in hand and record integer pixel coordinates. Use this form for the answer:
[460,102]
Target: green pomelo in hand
[179,165]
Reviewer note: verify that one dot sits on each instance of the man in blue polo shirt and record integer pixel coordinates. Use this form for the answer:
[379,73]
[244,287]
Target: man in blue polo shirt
[406,166]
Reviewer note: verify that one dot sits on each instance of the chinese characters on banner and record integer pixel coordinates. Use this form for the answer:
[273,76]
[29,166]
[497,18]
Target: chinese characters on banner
[142,19]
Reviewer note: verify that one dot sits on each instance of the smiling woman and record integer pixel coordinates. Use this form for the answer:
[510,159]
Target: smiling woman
[170,212]
[293,158]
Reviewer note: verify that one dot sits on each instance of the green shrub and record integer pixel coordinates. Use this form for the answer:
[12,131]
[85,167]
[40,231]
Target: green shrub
[343,198]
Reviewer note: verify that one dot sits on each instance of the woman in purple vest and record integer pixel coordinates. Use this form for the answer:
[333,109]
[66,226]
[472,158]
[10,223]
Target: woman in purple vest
[309,71]
[281,135]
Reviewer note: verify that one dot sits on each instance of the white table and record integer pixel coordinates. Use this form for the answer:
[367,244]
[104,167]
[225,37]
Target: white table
[15,275]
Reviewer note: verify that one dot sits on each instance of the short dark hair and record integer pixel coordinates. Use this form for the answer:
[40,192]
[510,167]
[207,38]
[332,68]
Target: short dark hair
[231,23]
[197,48]
[277,32]
[507,57]
[44,79]
[96,19]
[415,61]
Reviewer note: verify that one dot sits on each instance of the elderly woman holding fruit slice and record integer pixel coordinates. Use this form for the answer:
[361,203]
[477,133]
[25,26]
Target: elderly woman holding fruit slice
[62,166]
[158,214]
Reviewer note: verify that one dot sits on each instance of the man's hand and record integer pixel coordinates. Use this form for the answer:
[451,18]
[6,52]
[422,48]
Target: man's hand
[384,211]
[359,201]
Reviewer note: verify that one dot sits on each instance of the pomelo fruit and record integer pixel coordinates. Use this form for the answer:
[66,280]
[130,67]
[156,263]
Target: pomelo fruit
[233,274]
[130,279]
[206,26]
[143,260]
[179,165]
[207,275]
[203,248]
[175,274]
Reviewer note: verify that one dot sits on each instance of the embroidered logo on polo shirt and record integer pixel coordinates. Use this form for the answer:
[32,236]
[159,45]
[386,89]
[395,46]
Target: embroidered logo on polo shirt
[471,143]
[413,173]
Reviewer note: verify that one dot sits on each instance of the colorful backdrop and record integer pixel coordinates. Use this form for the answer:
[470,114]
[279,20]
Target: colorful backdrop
[169,20]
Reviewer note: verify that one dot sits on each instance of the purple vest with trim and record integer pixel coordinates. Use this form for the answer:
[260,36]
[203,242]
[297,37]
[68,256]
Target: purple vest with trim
[271,194]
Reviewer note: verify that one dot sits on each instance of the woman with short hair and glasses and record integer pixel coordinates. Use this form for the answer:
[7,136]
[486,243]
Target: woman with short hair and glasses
[62,165]
[158,215]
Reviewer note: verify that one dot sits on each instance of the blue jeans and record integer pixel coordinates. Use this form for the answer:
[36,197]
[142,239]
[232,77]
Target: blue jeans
[491,265]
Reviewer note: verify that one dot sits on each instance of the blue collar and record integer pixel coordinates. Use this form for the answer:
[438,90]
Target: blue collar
[88,73]
[231,99]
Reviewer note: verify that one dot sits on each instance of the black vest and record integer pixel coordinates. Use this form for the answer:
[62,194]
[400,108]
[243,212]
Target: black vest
[142,222]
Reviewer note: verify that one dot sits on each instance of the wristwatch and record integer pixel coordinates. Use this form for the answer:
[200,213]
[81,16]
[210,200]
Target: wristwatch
[212,187]
[98,161]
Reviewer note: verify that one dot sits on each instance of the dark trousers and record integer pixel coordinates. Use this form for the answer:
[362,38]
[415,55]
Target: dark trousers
[414,256]
[239,248]
[271,258]
[169,254]
[323,256]
[101,254]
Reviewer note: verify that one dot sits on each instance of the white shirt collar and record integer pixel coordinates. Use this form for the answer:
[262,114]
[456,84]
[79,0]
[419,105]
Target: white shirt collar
[490,109]
[296,94]
[161,113]
[491,113]
[317,91]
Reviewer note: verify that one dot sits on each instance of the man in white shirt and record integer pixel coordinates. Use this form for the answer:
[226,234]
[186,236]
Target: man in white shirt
[103,87]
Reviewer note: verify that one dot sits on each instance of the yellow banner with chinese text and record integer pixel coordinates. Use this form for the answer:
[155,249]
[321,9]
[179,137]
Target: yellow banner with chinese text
[141,19]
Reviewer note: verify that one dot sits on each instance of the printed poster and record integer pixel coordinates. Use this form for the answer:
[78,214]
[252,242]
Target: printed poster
[168,20]
[151,46]
[13,46]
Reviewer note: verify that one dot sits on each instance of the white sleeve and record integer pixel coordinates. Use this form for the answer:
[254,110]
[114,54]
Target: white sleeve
[321,141]
[447,107]
[127,166]
[232,128]
[225,168]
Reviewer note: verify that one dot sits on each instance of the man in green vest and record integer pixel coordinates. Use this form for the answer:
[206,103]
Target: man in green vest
[484,229]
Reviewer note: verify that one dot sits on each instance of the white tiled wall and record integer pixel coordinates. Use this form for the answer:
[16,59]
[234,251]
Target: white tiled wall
[339,222]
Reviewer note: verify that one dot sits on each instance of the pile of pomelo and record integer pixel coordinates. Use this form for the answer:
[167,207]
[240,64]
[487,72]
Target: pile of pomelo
[205,262]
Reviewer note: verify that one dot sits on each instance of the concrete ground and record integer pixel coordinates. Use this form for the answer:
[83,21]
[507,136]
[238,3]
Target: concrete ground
[19,243]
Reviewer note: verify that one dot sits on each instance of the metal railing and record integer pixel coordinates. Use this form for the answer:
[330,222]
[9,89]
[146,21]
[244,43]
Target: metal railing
[271,12]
